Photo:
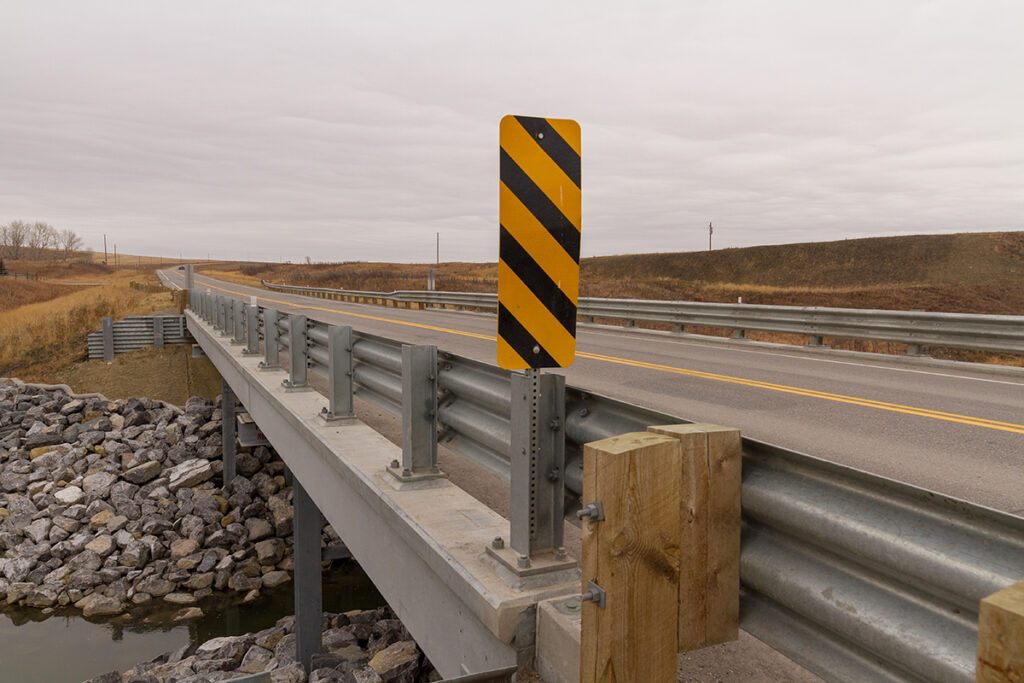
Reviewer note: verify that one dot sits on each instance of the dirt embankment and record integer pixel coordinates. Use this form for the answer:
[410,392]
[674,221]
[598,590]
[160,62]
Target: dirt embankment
[170,374]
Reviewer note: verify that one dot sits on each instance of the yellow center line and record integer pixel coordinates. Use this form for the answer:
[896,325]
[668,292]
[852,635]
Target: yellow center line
[757,384]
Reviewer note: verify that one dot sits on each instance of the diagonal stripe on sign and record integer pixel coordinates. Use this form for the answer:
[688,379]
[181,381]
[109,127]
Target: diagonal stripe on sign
[569,131]
[543,209]
[539,244]
[549,140]
[520,341]
[515,258]
[549,176]
[535,318]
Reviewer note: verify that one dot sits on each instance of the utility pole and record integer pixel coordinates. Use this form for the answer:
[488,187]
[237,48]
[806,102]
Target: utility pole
[115,257]
[710,231]
[438,258]
[104,248]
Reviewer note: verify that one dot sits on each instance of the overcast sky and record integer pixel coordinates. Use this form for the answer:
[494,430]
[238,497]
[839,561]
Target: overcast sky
[356,131]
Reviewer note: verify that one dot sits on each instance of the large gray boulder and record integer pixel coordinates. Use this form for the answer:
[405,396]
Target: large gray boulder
[189,473]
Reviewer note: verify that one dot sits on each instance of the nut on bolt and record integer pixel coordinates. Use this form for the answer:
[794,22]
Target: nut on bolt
[498,543]
[394,464]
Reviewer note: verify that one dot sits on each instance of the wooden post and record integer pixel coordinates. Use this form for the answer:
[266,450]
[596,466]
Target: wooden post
[709,588]
[633,555]
[1001,636]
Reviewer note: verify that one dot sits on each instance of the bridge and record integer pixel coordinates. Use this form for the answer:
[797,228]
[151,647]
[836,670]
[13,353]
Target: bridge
[817,535]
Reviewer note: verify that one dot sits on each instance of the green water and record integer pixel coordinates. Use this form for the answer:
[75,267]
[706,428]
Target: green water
[68,649]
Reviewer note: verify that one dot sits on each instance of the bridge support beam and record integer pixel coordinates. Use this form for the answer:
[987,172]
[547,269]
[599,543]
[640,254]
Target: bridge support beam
[227,426]
[308,580]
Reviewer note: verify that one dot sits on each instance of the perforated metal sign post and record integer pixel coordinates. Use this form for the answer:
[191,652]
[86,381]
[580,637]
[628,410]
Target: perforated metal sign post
[539,245]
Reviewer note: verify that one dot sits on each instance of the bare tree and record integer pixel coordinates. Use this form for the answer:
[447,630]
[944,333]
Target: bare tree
[41,236]
[13,236]
[69,243]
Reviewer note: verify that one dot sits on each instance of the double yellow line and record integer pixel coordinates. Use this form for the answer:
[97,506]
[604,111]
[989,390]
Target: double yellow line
[810,393]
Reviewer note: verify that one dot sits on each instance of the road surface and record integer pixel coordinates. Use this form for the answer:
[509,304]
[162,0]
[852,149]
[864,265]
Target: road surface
[955,428]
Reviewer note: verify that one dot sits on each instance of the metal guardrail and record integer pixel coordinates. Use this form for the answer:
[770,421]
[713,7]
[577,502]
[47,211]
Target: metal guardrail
[1001,333]
[136,332]
[855,576]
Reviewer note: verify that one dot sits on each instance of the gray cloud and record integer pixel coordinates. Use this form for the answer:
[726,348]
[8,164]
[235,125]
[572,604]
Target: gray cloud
[273,130]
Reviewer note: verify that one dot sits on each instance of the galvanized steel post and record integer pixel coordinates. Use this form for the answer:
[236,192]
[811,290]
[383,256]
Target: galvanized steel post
[222,316]
[339,374]
[158,332]
[270,343]
[188,276]
[252,331]
[298,351]
[308,587]
[538,463]
[108,340]
[419,411]
[227,424]
[229,318]
[238,309]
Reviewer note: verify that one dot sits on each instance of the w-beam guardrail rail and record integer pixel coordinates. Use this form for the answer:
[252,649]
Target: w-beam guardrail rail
[1001,333]
[855,576]
[136,332]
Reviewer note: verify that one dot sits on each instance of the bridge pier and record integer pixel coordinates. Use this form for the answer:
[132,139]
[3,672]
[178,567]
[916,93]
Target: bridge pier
[308,578]
[227,425]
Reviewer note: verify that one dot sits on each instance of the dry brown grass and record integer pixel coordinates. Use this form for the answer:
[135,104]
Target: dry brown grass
[40,338]
[374,277]
[15,293]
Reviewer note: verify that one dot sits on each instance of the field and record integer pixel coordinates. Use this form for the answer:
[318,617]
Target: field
[978,272]
[43,326]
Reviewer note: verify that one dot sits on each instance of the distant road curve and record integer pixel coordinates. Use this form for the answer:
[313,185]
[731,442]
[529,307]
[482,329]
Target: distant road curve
[956,428]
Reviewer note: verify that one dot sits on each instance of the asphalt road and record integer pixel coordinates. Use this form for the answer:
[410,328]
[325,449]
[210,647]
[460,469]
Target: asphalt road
[954,428]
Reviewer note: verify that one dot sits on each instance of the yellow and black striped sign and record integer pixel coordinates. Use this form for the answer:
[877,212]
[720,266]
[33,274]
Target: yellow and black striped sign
[539,246]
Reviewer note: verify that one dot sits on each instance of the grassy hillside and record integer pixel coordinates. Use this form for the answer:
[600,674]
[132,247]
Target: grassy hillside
[977,272]
[968,258]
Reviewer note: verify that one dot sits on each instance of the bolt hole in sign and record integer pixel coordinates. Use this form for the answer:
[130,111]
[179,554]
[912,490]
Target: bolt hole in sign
[539,245]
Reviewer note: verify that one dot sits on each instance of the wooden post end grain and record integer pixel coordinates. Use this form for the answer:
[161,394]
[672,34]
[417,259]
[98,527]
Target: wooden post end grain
[1001,636]
[634,556]
[709,586]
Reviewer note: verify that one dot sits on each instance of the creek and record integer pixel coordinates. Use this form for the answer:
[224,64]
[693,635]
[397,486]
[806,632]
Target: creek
[66,648]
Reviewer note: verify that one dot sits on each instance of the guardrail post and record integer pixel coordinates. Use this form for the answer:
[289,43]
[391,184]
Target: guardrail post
[188,276]
[630,564]
[538,465]
[227,424]
[308,580]
[238,309]
[298,351]
[1001,635]
[339,374]
[222,316]
[158,332]
[270,342]
[252,331]
[709,562]
[229,318]
[815,340]
[419,414]
[108,340]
